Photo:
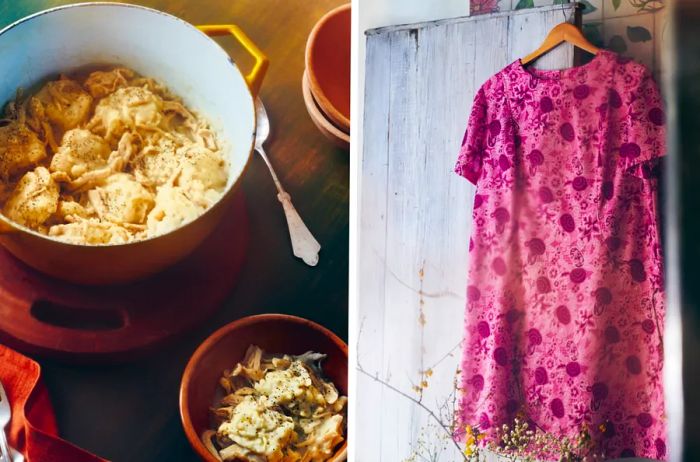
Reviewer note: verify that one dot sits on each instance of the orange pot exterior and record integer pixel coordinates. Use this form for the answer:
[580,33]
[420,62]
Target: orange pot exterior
[113,264]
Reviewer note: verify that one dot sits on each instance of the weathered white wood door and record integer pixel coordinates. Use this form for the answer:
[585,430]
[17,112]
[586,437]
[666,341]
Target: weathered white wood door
[415,220]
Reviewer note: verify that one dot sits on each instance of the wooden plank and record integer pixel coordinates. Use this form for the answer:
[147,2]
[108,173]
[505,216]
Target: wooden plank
[565,10]
[415,226]
[521,41]
[398,278]
[372,241]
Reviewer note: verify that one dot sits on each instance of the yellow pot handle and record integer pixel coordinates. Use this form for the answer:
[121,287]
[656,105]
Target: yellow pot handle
[257,74]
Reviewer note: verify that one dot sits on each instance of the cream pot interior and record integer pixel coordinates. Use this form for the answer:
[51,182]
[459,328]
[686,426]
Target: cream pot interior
[154,44]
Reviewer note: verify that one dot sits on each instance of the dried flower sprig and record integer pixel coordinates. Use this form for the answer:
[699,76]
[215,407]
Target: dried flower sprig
[518,442]
[472,437]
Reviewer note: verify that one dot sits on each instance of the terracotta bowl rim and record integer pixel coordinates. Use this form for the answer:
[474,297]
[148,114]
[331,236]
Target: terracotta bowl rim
[322,100]
[317,115]
[211,341]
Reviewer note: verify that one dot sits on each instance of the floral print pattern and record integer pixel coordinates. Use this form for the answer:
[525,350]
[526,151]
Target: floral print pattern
[483,6]
[565,300]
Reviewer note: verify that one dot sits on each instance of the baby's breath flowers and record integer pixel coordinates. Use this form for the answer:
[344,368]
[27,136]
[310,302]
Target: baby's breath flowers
[518,442]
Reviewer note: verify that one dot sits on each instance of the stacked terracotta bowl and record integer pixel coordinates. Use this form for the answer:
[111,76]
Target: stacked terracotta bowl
[326,81]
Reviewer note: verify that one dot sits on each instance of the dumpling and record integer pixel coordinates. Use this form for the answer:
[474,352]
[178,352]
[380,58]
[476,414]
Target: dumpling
[80,152]
[129,144]
[126,109]
[202,169]
[34,199]
[103,83]
[156,164]
[64,103]
[173,209]
[20,149]
[259,429]
[122,200]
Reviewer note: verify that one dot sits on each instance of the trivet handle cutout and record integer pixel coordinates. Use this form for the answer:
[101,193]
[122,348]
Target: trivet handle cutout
[77,318]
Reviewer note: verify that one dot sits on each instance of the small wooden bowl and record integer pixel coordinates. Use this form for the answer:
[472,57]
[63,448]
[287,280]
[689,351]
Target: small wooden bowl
[330,131]
[328,65]
[275,333]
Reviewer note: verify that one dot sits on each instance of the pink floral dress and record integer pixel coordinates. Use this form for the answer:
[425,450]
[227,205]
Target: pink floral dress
[565,299]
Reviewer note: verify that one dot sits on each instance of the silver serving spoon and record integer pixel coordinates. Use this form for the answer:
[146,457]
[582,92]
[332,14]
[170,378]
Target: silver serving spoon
[304,245]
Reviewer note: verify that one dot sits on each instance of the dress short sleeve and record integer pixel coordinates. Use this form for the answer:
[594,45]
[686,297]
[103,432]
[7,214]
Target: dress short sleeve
[474,144]
[644,135]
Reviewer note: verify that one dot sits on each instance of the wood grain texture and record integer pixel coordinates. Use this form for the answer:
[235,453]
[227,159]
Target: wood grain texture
[129,412]
[415,219]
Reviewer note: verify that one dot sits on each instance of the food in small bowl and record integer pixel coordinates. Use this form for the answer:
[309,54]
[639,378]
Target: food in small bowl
[107,157]
[261,385]
[277,407]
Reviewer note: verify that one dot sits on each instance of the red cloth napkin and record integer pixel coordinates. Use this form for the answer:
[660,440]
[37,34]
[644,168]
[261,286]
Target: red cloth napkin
[33,429]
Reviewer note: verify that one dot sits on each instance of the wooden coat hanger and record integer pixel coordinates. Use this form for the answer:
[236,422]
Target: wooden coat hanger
[564,32]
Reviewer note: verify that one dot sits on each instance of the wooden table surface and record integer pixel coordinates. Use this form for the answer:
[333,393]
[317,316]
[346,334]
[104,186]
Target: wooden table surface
[129,412]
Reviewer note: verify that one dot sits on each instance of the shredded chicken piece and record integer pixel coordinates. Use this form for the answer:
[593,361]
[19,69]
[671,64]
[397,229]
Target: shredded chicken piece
[71,211]
[209,444]
[34,199]
[127,147]
[324,438]
[206,138]
[103,83]
[93,232]
[86,181]
[178,108]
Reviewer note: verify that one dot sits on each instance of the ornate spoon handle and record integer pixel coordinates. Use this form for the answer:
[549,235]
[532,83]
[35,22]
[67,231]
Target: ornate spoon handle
[304,244]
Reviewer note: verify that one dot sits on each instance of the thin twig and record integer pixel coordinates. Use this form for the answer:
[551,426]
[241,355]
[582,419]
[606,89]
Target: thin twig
[447,355]
[430,412]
